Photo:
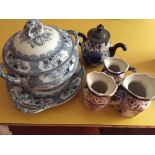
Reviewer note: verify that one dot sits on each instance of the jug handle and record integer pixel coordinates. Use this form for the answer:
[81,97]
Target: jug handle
[76,38]
[8,77]
[132,69]
[83,37]
[118,97]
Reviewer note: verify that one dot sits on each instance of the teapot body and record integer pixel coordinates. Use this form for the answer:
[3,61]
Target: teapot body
[96,46]
[94,53]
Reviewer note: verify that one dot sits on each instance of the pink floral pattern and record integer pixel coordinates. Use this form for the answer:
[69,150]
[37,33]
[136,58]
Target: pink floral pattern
[93,101]
[129,105]
[135,104]
[118,78]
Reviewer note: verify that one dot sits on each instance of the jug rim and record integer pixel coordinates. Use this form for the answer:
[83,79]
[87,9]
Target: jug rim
[133,94]
[116,58]
[101,94]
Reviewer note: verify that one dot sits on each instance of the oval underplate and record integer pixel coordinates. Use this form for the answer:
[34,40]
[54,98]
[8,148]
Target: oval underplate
[33,103]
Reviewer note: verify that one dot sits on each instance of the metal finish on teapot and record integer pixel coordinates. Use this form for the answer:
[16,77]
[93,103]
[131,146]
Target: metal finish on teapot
[96,46]
[40,57]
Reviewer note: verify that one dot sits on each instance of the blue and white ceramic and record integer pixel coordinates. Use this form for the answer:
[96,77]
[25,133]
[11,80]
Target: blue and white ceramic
[34,102]
[40,57]
[96,46]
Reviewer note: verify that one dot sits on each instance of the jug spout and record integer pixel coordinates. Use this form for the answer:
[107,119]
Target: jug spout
[98,90]
[101,84]
[142,86]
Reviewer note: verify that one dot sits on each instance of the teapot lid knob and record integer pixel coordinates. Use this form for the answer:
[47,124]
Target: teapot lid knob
[98,34]
[100,27]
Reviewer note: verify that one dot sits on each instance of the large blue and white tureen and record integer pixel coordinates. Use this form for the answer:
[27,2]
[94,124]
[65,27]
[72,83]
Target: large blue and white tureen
[40,59]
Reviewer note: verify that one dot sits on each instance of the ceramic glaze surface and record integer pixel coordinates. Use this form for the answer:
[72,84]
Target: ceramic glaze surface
[127,104]
[116,68]
[108,81]
[46,43]
[135,94]
[100,87]
[122,65]
[51,79]
[145,82]
[40,57]
[118,77]
[34,102]
[20,65]
[96,52]
[94,102]
[96,46]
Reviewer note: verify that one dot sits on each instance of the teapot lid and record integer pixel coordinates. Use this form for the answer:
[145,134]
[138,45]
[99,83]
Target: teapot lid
[37,41]
[98,34]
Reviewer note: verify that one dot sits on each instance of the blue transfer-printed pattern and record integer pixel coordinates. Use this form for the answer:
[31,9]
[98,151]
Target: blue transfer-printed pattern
[93,53]
[52,52]
[54,78]
[37,40]
[23,66]
[27,103]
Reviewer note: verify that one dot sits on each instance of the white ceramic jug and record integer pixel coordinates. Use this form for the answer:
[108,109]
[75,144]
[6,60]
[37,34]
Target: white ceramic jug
[134,94]
[116,67]
[99,89]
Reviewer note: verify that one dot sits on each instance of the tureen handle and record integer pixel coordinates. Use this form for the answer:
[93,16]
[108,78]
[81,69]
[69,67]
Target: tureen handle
[8,77]
[76,43]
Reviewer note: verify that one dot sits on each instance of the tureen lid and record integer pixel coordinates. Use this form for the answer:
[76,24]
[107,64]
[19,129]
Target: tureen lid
[99,34]
[39,49]
[37,41]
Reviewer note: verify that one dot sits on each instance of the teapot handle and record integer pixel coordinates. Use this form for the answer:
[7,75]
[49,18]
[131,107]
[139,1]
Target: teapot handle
[76,38]
[113,49]
[83,37]
[8,77]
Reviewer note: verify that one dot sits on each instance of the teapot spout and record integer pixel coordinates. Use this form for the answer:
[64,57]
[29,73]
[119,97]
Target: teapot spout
[113,49]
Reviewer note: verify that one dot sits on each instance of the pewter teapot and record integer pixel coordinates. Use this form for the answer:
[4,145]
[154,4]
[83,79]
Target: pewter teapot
[96,46]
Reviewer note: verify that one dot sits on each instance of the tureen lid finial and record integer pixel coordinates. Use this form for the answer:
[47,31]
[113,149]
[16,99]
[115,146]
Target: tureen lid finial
[33,28]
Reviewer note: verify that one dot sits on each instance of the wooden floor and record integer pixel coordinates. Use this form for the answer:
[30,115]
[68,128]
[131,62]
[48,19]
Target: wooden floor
[46,130]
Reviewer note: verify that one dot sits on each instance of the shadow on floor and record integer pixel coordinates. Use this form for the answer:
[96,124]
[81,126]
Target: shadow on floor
[48,130]
[127,131]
